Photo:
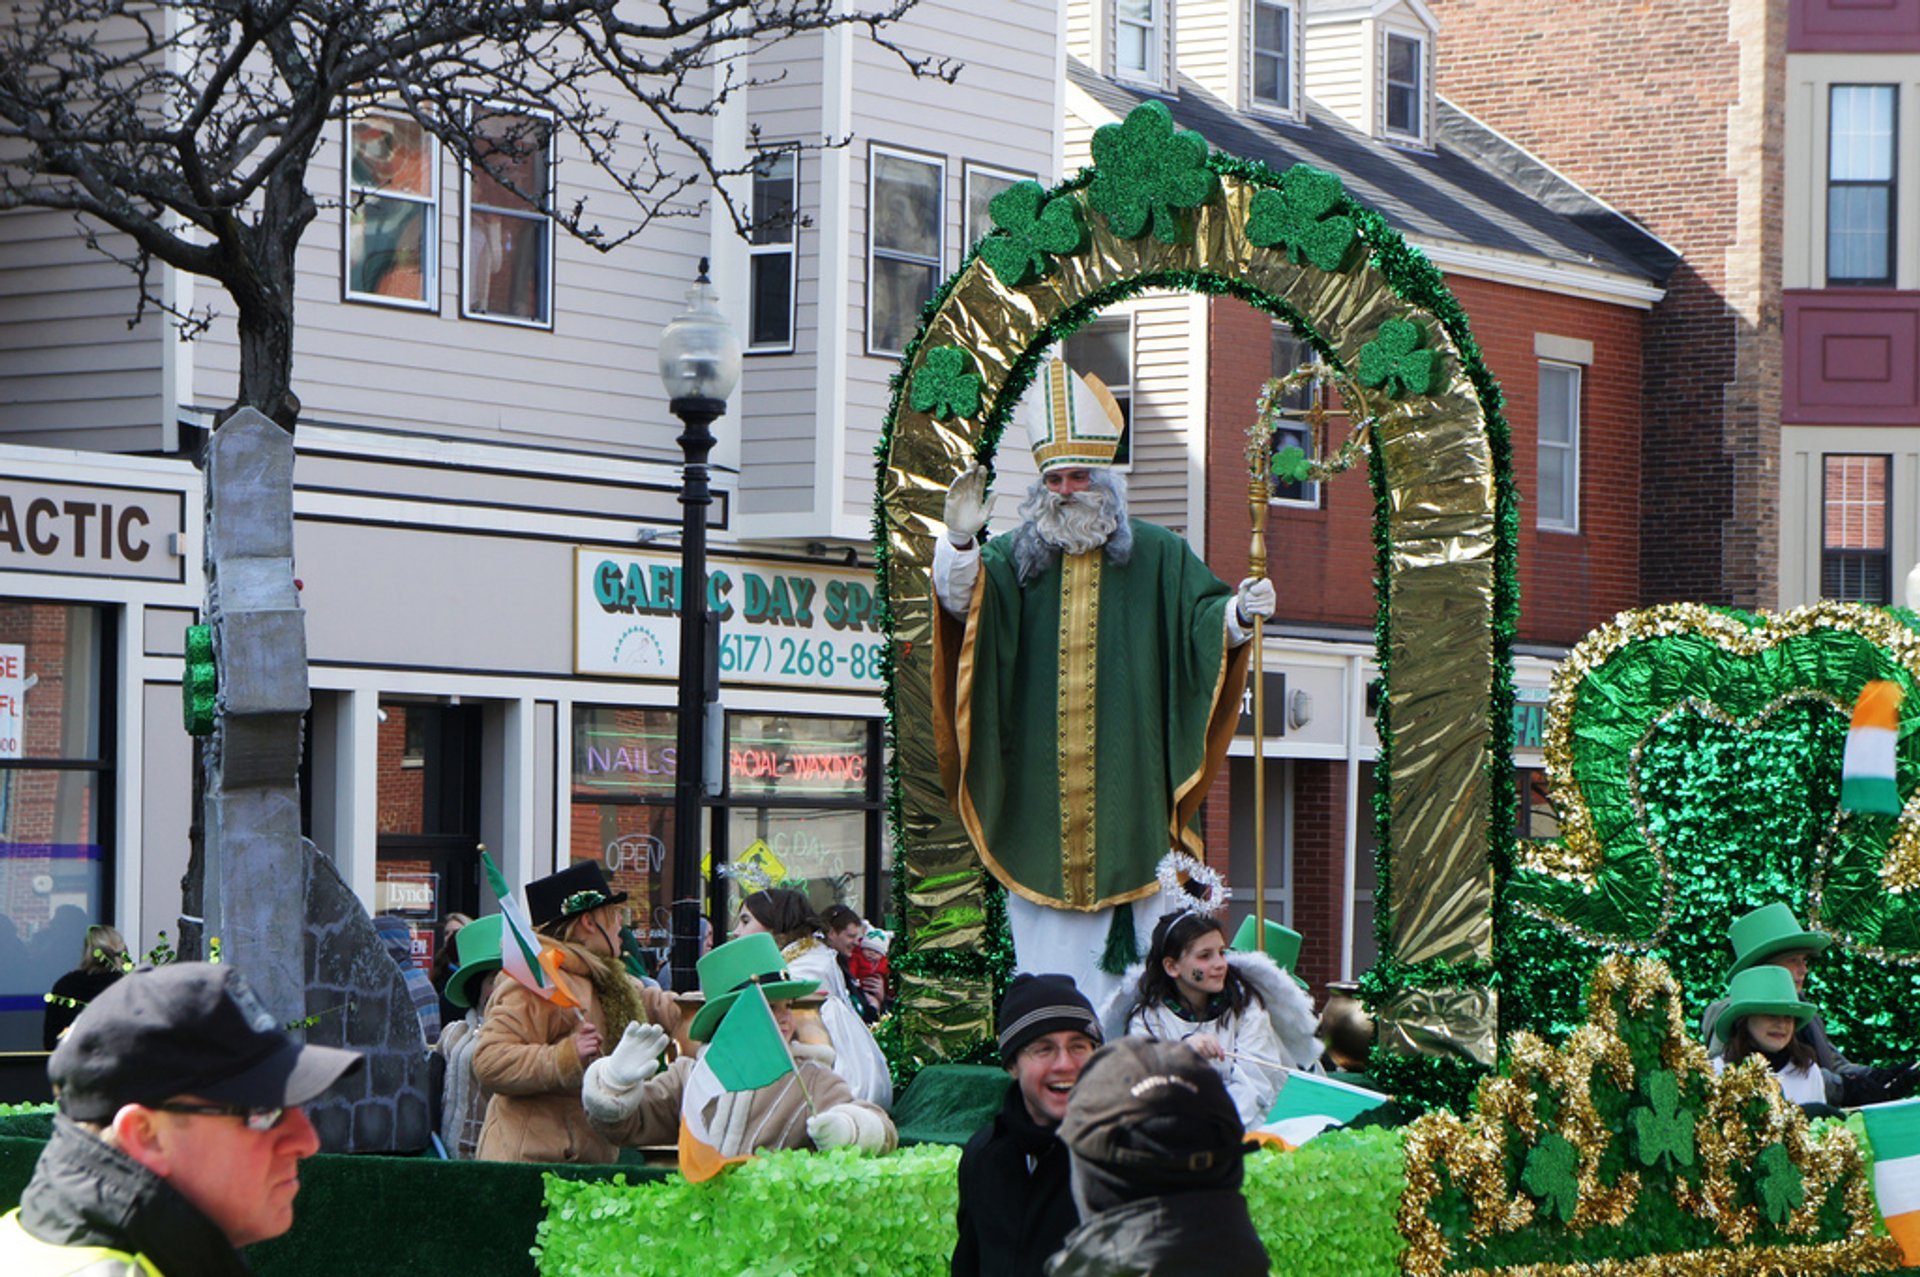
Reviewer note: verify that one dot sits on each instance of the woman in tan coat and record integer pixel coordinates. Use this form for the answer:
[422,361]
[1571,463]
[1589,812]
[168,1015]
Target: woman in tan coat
[533,1052]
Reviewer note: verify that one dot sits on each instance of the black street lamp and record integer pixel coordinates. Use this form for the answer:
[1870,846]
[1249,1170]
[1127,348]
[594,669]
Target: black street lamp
[700,364]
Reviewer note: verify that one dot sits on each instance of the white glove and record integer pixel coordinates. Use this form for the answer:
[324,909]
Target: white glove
[966,511]
[637,1058]
[1255,598]
[832,1129]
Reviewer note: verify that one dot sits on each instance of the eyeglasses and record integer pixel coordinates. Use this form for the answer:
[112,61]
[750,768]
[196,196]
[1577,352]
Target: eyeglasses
[253,1119]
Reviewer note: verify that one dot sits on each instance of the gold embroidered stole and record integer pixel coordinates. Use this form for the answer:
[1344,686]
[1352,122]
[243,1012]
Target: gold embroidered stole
[1079,656]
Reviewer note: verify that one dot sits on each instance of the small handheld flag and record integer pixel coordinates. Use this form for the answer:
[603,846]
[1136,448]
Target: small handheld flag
[1894,1132]
[1309,1104]
[748,1051]
[520,949]
[1867,771]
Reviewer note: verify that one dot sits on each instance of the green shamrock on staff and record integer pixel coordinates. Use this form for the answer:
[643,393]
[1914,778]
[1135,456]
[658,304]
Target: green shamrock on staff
[1030,227]
[946,386]
[1146,172]
[1299,218]
[1393,359]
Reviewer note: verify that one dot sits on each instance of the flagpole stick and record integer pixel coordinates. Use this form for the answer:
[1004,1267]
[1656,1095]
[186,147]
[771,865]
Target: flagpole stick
[1257,492]
[799,1081]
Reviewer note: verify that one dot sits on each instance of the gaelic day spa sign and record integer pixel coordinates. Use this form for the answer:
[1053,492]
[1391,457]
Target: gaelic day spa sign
[781,624]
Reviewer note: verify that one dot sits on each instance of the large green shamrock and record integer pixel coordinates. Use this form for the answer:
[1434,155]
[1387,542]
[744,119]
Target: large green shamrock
[1778,1183]
[1393,359]
[1552,1175]
[1662,1130]
[1300,219]
[1029,230]
[945,386]
[1290,464]
[1146,172]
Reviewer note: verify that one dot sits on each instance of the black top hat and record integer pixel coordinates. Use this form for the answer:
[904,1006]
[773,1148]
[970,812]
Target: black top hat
[579,888]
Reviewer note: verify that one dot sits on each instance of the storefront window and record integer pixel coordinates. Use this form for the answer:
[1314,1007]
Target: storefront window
[55,801]
[623,773]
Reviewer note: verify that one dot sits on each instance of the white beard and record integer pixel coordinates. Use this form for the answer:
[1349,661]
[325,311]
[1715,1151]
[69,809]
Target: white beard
[1072,522]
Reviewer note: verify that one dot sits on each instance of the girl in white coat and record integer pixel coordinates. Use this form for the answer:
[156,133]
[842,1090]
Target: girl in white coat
[1237,1010]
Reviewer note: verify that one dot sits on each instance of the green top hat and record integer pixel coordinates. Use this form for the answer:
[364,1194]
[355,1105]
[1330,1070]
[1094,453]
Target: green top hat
[1767,931]
[476,951]
[729,968]
[1763,990]
[1282,944]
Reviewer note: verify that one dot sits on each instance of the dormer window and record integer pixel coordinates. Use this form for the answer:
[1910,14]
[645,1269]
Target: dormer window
[1405,67]
[1138,38]
[1271,48]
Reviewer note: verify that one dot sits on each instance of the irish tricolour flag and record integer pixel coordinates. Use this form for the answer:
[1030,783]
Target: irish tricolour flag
[1866,774]
[747,1052]
[520,952]
[1308,1104]
[1894,1132]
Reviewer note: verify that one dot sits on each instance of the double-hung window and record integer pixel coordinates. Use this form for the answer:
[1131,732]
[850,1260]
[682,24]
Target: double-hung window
[1558,505]
[906,243]
[1293,425]
[1104,349]
[1137,39]
[509,237]
[1860,177]
[982,185]
[770,249]
[1270,40]
[1855,518]
[393,210]
[1405,86]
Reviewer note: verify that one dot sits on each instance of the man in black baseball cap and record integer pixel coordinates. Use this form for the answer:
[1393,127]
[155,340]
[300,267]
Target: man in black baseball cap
[1015,1205]
[1157,1146]
[179,1131]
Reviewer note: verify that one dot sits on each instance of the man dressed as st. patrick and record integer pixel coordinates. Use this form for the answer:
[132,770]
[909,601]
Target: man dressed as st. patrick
[1088,677]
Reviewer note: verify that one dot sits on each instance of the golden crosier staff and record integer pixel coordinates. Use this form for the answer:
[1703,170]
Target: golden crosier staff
[1259,457]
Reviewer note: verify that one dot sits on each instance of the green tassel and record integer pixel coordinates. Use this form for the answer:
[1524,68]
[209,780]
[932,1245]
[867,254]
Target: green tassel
[1122,949]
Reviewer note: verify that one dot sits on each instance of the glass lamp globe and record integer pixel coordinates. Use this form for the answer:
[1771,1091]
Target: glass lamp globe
[699,355]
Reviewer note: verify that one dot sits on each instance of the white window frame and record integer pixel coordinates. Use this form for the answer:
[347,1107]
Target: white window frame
[970,235]
[938,261]
[1311,487]
[1154,73]
[1572,522]
[1290,109]
[1132,321]
[467,204]
[1829,184]
[1422,90]
[430,241]
[790,247]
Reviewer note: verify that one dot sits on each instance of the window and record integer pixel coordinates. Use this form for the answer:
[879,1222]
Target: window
[1855,564]
[509,240]
[982,185]
[393,211]
[905,244]
[1104,349]
[1406,112]
[776,203]
[1860,142]
[1559,499]
[1295,427]
[1272,45]
[1136,40]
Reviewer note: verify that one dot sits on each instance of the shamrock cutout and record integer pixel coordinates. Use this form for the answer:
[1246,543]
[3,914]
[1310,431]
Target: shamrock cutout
[1299,218]
[1778,1183]
[944,387]
[1662,1132]
[1029,230]
[1393,359]
[1551,1174]
[1290,464]
[1146,171]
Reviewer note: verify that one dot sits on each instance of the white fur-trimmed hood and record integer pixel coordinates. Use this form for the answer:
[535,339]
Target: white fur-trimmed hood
[1289,1007]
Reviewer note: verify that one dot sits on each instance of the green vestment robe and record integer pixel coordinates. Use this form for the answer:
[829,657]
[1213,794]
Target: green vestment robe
[1082,718]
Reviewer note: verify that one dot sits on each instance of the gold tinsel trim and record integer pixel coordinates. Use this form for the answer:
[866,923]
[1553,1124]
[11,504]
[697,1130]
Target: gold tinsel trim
[1474,1153]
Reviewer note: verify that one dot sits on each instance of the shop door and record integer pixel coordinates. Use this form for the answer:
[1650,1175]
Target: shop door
[427,854]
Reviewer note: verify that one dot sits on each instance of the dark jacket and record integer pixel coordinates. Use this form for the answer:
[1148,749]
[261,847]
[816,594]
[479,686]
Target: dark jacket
[1206,1233]
[78,985]
[1011,1218]
[85,1193]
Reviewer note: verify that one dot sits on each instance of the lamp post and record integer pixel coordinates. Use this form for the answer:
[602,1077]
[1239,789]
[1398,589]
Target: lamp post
[700,363]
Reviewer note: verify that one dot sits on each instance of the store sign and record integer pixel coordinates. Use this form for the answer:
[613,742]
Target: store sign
[781,624]
[91,530]
[411,895]
[13,698]
[1529,717]
[758,764]
[1273,707]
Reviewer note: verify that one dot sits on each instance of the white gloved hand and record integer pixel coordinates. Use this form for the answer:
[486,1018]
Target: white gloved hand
[966,510]
[831,1129]
[637,1058]
[1255,598]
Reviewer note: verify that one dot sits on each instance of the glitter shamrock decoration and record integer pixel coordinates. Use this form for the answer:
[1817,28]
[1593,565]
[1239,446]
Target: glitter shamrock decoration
[1146,172]
[1552,1175]
[1778,1183]
[945,386]
[1290,464]
[1662,1131]
[1031,227]
[1393,360]
[1299,218]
